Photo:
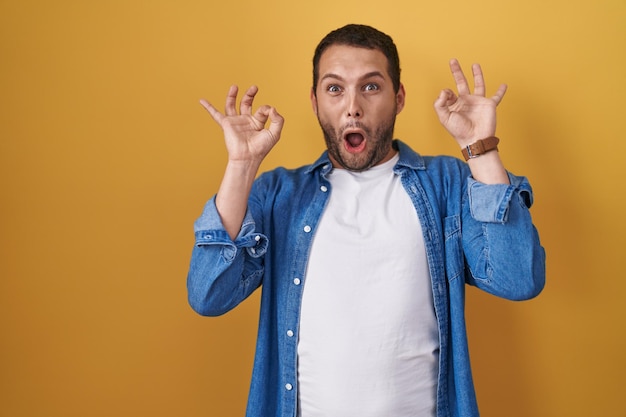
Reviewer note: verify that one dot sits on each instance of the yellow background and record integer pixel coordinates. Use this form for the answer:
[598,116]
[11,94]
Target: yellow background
[106,159]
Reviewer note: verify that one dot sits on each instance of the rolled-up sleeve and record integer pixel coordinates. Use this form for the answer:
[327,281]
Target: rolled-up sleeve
[209,230]
[223,272]
[500,242]
[490,202]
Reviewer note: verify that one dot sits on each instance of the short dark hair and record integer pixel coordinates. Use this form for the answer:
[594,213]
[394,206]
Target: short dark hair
[361,36]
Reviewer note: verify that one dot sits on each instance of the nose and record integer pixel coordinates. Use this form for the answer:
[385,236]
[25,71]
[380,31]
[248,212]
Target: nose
[355,109]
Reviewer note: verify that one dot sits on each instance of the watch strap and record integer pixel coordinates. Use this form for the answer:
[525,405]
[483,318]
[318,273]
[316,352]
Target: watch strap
[480,147]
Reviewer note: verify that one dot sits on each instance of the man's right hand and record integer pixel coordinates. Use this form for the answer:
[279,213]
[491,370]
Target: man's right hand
[248,142]
[247,139]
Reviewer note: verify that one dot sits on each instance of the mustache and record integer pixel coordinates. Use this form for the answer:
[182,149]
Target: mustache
[354,125]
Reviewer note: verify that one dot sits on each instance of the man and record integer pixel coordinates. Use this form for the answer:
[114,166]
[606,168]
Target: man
[363,255]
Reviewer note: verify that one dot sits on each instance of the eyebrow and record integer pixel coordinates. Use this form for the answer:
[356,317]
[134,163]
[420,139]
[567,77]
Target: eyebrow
[363,77]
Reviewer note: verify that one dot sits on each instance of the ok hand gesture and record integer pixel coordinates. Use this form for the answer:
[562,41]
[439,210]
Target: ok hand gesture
[247,139]
[468,117]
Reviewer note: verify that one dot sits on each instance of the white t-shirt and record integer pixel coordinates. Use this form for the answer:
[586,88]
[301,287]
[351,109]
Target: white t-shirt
[368,340]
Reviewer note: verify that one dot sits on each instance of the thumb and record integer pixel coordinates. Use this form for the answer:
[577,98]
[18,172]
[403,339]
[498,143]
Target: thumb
[445,99]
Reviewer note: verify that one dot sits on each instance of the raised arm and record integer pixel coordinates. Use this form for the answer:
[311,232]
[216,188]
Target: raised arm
[248,142]
[471,117]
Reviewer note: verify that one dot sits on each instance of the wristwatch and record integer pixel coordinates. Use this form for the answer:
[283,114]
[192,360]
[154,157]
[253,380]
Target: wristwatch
[480,147]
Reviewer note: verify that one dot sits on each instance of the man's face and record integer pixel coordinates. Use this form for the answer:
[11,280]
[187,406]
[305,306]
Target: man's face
[356,106]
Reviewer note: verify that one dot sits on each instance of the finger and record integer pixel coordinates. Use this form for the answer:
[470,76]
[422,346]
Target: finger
[446,98]
[231,100]
[459,78]
[499,95]
[248,98]
[276,124]
[261,115]
[217,116]
[479,80]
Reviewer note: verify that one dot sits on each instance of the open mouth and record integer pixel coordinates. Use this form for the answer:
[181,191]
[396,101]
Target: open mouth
[354,142]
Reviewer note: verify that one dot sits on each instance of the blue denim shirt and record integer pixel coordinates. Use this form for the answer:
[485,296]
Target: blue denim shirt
[474,233]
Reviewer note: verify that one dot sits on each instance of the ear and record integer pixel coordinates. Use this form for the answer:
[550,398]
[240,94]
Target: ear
[313,101]
[400,98]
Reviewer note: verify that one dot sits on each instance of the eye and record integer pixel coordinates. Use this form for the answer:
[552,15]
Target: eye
[333,88]
[371,87]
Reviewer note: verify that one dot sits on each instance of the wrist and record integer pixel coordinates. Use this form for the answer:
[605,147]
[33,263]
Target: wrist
[480,147]
[244,164]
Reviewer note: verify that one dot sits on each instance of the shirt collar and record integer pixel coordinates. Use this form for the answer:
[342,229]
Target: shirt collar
[408,157]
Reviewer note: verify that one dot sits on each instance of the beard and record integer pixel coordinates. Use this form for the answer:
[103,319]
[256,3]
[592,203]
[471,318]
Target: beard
[379,143]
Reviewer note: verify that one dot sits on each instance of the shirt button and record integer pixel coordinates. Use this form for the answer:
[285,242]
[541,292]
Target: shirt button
[290,333]
[288,387]
[307,228]
[324,188]
[296,281]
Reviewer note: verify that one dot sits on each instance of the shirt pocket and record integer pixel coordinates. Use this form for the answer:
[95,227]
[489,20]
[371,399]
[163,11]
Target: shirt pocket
[453,249]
